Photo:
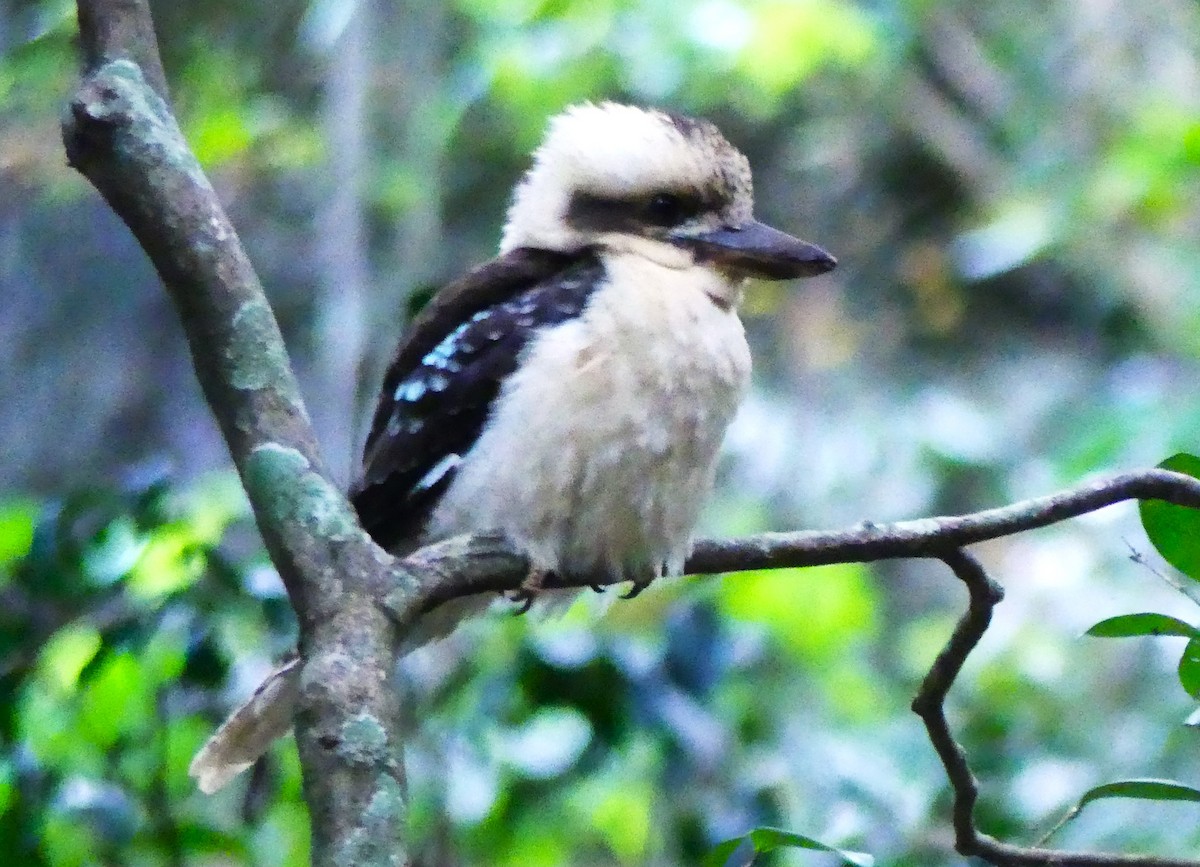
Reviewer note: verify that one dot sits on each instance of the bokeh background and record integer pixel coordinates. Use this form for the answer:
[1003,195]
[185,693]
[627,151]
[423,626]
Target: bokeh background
[1012,191]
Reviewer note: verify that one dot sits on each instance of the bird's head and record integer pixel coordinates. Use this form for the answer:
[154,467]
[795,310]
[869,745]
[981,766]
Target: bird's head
[668,187]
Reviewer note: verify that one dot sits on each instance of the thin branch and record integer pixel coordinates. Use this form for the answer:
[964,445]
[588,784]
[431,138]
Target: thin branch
[466,565]
[487,564]
[929,705]
[930,536]
[121,30]
[1183,587]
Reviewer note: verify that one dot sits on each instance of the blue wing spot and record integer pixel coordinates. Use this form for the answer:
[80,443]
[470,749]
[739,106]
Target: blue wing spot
[443,355]
[410,391]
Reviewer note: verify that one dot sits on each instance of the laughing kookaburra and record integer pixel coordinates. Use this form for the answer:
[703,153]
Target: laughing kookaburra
[573,392]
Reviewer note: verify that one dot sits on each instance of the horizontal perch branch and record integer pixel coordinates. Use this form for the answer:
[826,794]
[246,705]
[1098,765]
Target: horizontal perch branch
[483,564]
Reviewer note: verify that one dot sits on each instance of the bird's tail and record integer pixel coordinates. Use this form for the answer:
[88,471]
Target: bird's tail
[249,731]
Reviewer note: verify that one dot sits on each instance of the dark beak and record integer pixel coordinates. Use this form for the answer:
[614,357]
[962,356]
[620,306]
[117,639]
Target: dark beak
[757,250]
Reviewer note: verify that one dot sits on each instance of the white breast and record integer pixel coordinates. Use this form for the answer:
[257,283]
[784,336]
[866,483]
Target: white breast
[601,448]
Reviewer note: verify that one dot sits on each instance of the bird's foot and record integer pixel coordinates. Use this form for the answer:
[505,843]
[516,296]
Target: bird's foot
[529,590]
[636,586]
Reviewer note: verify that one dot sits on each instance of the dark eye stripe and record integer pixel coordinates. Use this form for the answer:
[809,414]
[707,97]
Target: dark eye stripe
[590,212]
[670,209]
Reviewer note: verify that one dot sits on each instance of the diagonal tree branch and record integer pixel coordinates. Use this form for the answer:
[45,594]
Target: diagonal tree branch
[121,135]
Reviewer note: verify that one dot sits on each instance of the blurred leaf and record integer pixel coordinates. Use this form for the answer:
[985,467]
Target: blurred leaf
[169,562]
[1142,789]
[1189,668]
[722,852]
[1175,530]
[536,844]
[116,702]
[791,40]
[66,842]
[283,836]
[214,503]
[816,613]
[17,519]
[547,744]
[44,725]
[219,135]
[8,785]
[623,818]
[66,653]
[768,839]
[1127,625]
[103,806]
[164,656]
[117,546]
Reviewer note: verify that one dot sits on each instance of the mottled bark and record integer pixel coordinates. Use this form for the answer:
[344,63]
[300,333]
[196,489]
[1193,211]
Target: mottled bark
[121,135]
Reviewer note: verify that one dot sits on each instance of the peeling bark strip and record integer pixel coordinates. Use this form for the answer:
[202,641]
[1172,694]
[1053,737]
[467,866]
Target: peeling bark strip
[355,602]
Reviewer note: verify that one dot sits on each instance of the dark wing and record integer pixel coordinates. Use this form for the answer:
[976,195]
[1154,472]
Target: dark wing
[455,303]
[438,391]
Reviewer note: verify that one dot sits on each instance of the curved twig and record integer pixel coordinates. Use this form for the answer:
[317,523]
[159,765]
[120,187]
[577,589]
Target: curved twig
[929,705]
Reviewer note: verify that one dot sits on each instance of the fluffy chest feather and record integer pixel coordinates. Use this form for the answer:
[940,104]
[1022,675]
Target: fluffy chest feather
[600,448]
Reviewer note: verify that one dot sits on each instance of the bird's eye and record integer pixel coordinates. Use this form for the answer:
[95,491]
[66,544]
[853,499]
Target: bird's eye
[666,209]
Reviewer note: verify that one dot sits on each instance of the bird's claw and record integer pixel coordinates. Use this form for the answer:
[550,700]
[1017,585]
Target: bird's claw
[529,591]
[636,587]
[524,600]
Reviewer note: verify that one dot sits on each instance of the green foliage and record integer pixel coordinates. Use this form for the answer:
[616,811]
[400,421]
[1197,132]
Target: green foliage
[17,518]
[1127,625]
[109,645]
[1137,625]
[762,840]
[1144,790]
[1189,668]
[1175,534]
[1175,530]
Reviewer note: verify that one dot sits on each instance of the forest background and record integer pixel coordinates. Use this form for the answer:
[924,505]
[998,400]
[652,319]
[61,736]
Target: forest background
[1012,194]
